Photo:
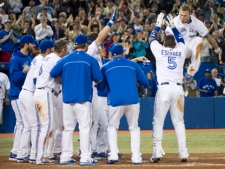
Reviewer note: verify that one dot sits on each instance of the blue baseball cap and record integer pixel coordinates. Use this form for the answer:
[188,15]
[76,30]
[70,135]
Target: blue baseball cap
[207,70]
[110,47]
[117,50]
[80,39]
[45,8]
[26,39]
[36,44]
[46,44]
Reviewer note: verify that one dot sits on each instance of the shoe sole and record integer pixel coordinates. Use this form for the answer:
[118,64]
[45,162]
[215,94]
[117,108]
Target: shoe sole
[22,161]
[12,159]
[183,160]
[88,164]
[32,162]
[155,160]
[112,161]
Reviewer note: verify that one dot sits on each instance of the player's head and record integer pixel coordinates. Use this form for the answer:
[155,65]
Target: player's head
[214,73]
[27,43]
[61,48]
[117,51]
[169,41]
[184,13]
[81,42]
[46,47]
[101,50]
[207,73]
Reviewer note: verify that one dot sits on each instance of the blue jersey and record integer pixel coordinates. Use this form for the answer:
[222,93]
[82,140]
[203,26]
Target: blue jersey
[8,45]
[16,75]
[121,76]
[207,84]
[78,70]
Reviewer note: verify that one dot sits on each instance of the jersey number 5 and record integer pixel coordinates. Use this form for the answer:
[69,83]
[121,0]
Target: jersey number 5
[172,63]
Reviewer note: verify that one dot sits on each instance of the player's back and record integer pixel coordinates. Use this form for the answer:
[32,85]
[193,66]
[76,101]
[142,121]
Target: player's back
[79,70]
[169,62]
[122,76]
[29,83]
[44,79]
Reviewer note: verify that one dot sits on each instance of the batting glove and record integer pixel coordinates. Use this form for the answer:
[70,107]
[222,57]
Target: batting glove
[188,78]
[113,19]
[159,20]
[218,50]
[170,19]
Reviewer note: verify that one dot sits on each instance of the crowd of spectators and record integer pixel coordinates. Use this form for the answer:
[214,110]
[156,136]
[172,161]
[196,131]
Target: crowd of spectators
[56,19]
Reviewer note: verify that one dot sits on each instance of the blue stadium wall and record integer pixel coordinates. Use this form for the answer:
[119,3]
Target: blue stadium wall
[199,113]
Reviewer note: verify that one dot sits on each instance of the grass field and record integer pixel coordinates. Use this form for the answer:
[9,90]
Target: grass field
[197,142]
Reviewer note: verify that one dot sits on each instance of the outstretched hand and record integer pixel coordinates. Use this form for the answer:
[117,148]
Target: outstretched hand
[170,19]
[159,20]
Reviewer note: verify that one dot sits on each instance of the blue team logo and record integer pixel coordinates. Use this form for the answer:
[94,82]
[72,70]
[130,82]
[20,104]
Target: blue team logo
[183,29]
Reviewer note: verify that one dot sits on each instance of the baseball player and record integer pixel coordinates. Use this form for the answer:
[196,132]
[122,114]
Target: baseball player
[120,77]
[46,88]
[169,63]
[93,50]
[4,87]
[29,112]
[189,26]
[78,70]
[18,68]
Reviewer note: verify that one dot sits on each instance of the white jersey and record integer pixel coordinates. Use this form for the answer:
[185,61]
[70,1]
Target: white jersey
[44,79]
[189,30]
[4,84]
[169,62]
[34,67]
[93,51]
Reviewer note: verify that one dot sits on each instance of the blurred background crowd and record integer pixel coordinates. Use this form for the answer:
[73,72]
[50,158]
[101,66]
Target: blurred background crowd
[56,19]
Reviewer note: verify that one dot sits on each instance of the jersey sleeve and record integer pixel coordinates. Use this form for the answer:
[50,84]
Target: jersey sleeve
[96,73]
[141,77]
[201,28]
[6,82]
[57,69]
[93,49]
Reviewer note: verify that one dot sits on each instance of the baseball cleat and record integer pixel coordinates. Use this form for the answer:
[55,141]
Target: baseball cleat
[88,163]
[120,155]
[112,161]
[95,155]
[183,159]
[136,163]
[23,160]
[12,157]
[53,160]
[57,154]
[155,160]
[102,155]
[32,161]
[70,162]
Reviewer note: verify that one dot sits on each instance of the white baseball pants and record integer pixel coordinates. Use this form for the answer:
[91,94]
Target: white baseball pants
[193,49]
[132,114]
[44,102]
[170,97]
[102,139]
[73,113]
[31,125]
[95,118]
[18,127]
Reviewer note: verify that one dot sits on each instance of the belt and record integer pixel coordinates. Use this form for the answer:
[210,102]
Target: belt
[166,83]
[42,88]
[27,90]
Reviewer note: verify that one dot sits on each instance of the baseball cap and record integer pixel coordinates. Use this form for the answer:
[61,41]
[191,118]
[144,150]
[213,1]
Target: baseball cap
[152,15]
[117,50]
[207,70]
[26,39]
[45,8]
[46,44]
[110,47]
[207,21]
[115,34]
[124,7]
[7,21]
[81,39]
[200,13]
[3,7]
[123,19]
[36,44]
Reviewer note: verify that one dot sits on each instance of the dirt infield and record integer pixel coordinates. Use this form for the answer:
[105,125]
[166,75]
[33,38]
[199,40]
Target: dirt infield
[170,161]
[76,133]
